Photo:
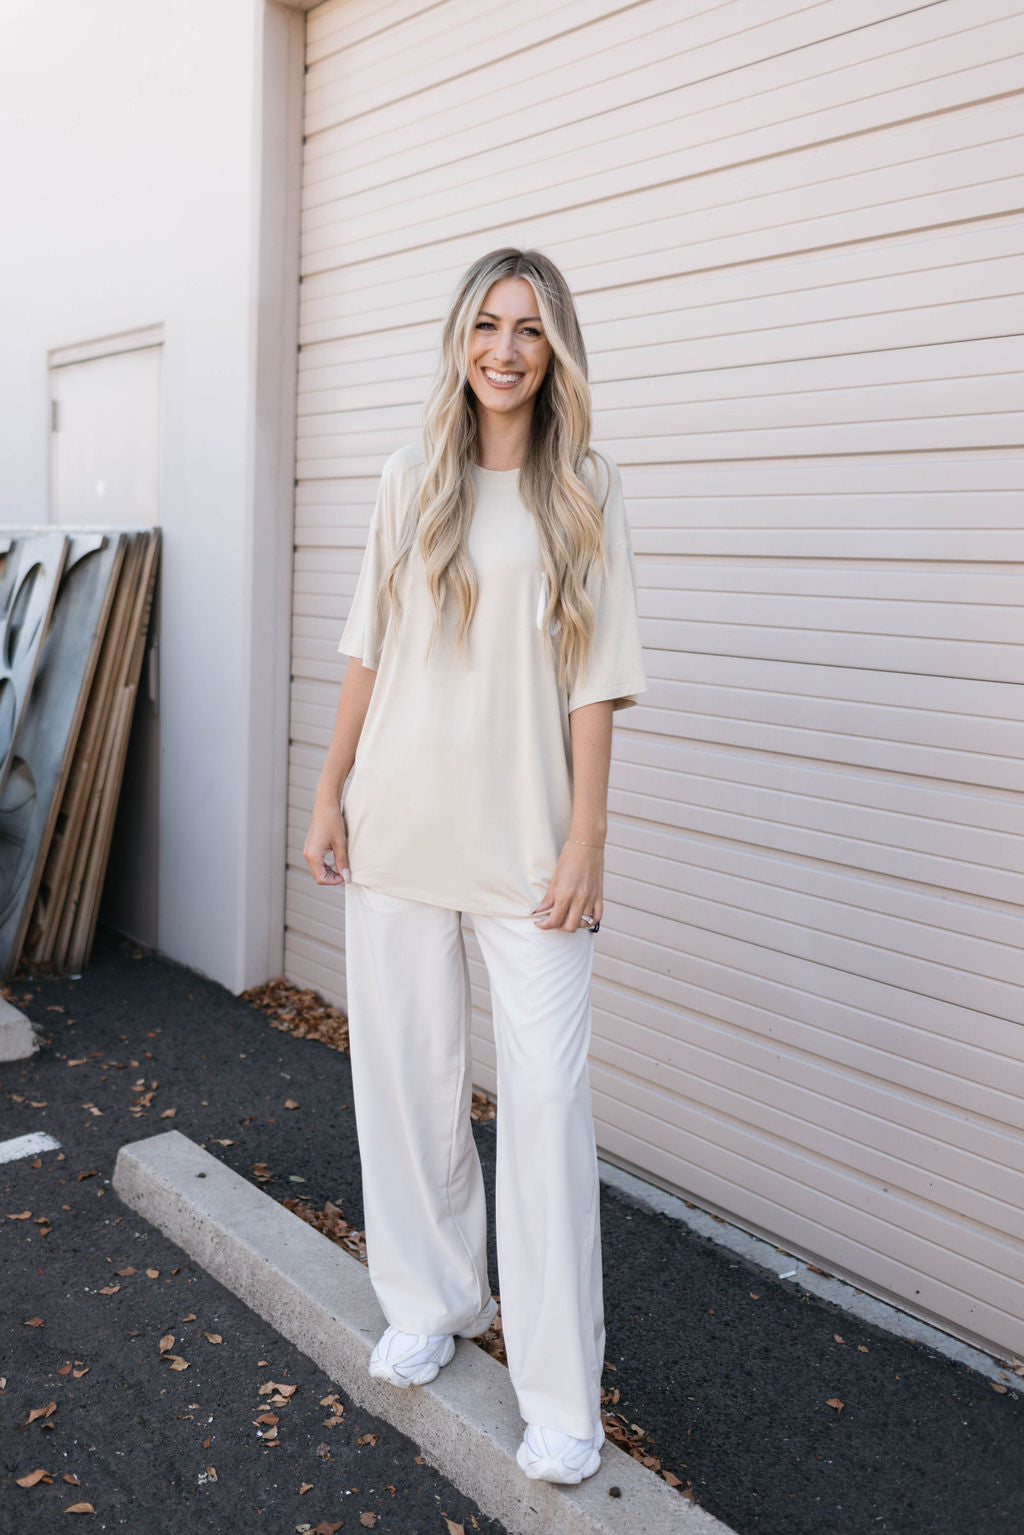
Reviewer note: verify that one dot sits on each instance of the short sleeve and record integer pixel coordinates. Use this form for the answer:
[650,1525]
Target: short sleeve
[614,666]
[366,625]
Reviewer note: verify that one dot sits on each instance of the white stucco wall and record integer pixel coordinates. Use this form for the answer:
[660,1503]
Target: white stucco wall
[134,177]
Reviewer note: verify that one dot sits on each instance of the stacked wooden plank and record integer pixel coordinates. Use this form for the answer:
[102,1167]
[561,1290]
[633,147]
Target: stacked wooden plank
[74,611]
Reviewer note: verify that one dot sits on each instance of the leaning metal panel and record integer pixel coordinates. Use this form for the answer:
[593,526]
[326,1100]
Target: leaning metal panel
[31,574]
[43,741]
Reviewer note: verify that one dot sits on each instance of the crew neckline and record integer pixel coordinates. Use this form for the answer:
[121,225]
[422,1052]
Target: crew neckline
[499,476]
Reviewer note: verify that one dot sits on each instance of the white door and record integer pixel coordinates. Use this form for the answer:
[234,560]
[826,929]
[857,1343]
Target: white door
[105,430]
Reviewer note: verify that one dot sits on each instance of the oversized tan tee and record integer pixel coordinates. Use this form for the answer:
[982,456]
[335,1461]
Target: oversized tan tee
[461,792]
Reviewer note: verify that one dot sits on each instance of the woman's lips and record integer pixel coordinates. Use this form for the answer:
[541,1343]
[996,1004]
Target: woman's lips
[501,380]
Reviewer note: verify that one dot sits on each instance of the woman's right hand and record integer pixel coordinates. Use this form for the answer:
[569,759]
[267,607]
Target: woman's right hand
[327,835]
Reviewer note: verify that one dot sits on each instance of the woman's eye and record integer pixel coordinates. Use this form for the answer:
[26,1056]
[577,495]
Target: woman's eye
[531,331]
[485,325]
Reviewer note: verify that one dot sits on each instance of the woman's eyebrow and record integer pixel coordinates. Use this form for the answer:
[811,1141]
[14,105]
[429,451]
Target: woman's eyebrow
[485,314]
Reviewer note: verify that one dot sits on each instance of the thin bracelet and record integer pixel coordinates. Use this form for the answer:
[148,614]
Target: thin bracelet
[584,844]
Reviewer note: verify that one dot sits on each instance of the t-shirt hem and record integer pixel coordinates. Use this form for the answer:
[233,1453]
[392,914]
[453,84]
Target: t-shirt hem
[354,648]
[622,697]
[433,898]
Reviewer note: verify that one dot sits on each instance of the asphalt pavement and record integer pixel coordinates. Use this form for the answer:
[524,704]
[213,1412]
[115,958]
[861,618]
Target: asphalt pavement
[727,1377]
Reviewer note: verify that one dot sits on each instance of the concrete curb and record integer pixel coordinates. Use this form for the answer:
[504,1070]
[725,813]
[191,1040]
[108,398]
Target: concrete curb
[17,1033]
[319,1297]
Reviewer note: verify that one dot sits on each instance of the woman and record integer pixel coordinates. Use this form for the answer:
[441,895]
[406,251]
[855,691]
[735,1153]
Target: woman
[492,634]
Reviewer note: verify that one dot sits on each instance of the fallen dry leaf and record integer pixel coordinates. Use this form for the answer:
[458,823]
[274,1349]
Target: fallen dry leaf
[213,1337]
[672,1480]
[327,1527]
[331,1223]
[176,1361]
[453,1528]
[123,1273]
[367,1439]
[69,1476]
[267,1417]
[835,1402]
[838,1338]
[369,1520]
[189,1316]
[997,1387]
[79,1373]
[211,1473]
[79,1062]
[167,1343]
[217,1142]
[35,1321]
[79,1508]
[21,1215]
[270,1435]
[41,1412]
[290,1103]
[33,1477]
[304,1013]
[152,1273]
[753,1296]
[168,1113]
[306,1487]
[109,1289]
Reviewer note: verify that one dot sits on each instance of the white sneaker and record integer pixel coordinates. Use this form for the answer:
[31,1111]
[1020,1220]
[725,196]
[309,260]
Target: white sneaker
[409,1358]
[412,1359]
[548,1455]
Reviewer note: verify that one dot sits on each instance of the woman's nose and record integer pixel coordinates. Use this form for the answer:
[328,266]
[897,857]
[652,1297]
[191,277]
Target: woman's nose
[505,344]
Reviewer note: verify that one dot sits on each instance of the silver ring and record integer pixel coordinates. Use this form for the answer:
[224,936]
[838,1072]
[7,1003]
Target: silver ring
[588,920]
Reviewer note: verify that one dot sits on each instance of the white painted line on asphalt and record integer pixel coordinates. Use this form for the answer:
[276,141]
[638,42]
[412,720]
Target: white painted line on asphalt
[27,1146]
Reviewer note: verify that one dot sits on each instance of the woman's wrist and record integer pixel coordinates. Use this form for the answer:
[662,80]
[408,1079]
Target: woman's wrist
[590,841]
[328,797]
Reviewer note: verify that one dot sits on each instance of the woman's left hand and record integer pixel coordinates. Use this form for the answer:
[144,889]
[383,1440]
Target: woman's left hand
[575,890]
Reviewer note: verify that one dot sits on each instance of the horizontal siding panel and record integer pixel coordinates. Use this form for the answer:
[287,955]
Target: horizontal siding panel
[350,307]
[708,120]
[827,1229]
[338,89]
[694,173]
[954,152]
[880,1215]
[706,63]
[775,821]
[984,1191]
[898,1061]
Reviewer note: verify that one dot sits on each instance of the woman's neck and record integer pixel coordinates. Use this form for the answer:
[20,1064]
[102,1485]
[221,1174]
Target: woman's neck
[502,439]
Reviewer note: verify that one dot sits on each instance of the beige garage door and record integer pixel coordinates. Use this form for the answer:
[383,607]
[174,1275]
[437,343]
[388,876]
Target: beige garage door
[794,231]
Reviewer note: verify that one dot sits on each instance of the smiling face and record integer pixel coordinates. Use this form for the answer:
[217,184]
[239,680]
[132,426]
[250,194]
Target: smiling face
[508,350]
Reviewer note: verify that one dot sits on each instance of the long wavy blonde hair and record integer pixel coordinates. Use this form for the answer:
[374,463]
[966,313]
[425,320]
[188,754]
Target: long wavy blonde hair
[558,477]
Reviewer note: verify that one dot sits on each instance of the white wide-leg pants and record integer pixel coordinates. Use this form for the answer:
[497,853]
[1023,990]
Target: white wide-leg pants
[425,1217]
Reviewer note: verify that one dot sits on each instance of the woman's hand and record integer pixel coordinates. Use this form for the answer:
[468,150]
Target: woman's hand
[575,890]
[327,835]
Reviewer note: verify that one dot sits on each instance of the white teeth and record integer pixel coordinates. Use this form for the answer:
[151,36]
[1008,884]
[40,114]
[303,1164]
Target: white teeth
[502,378]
